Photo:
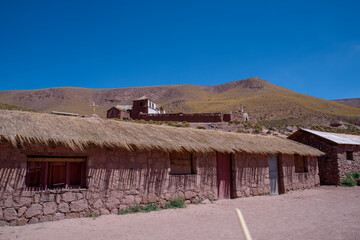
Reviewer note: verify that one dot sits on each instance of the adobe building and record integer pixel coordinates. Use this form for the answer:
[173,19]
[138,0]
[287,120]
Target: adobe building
[144,105]
[119,112]
[54,167]
[342,153]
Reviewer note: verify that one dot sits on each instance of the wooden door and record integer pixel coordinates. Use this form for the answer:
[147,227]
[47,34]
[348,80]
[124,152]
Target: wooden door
[223,175]
[274,175]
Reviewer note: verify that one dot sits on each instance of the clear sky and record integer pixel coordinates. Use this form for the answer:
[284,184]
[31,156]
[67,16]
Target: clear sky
[312,47]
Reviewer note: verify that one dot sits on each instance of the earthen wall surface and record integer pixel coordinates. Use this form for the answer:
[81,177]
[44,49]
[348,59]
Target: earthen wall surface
[292,180]
[250,175]
[183,117]
[116,180]
[119,114]
[139,106]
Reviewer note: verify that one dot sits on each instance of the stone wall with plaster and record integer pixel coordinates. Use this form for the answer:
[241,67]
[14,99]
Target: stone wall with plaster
[116,180]
[292,180]
[250,174]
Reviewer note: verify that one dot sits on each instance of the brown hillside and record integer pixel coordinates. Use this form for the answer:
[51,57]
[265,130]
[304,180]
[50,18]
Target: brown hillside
[353,102]
[262,100]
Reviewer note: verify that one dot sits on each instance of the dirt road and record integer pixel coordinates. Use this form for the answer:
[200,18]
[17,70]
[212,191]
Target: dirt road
[321,213]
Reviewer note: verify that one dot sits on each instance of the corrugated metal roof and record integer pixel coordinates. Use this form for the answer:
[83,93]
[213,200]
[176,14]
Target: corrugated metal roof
[337,137]
[124,107]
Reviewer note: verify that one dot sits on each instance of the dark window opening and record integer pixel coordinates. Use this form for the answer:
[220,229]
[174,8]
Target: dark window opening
[55,173]
[300,163]
[182,163]
[349,155]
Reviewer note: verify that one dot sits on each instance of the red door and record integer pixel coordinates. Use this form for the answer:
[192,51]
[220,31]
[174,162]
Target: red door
[223,175]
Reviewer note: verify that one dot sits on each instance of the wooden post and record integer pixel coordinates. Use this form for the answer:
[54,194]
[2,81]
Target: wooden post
[46,173]
[67,175]
[243,225]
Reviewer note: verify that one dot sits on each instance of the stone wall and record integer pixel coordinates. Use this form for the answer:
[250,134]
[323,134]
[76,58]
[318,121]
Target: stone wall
[333,165]
[291,180]
[345,165]
[115,180]
[251,174]
[192,117]
[182,117]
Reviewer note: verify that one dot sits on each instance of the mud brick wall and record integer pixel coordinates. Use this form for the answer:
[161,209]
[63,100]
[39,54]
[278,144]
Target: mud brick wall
[116,180]
[333,165]
[116,113]
[182,117]
[291,180]
[250,174]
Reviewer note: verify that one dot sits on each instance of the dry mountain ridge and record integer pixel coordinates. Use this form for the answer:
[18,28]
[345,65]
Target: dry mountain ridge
[353,102]
[262,100]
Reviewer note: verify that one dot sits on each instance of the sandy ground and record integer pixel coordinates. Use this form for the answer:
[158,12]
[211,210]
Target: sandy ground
[321,213]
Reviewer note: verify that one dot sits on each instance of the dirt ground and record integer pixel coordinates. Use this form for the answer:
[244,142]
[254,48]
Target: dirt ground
[320,213]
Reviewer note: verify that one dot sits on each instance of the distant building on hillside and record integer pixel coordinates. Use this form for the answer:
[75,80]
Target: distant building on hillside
[342,153]
[144,108]
[118,112]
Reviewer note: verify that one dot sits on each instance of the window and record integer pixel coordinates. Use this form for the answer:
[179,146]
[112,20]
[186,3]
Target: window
[55,172]
[349,155]
[182,163]
[300,163]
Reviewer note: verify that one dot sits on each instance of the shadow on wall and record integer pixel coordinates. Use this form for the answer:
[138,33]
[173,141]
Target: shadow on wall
[11,179]
[150,180]
[250,175]
[146,180]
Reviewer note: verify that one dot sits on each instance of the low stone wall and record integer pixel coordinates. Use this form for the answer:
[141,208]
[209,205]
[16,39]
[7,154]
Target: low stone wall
[116,180]
[182,117]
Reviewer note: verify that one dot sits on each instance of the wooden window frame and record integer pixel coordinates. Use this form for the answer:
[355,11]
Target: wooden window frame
[44,175]
[192,163]
[303,166]
[351,154]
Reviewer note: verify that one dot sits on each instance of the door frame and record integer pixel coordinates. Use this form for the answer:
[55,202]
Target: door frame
[274,157]
[230,159]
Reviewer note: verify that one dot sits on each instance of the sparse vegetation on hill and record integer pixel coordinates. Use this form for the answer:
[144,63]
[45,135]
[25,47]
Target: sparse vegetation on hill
[12,107]
[167,123]
[262,100]
[348,129]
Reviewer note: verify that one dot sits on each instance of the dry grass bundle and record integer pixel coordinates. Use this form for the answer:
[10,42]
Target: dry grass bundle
[21,128]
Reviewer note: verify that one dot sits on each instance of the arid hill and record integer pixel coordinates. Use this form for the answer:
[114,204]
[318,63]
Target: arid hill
[261,99]
[353,102]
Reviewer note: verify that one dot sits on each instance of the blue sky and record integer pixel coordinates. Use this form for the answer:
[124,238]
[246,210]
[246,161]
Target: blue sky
[312,47]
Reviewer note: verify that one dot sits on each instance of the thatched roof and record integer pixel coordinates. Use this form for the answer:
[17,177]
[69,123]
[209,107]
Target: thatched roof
[78,133]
